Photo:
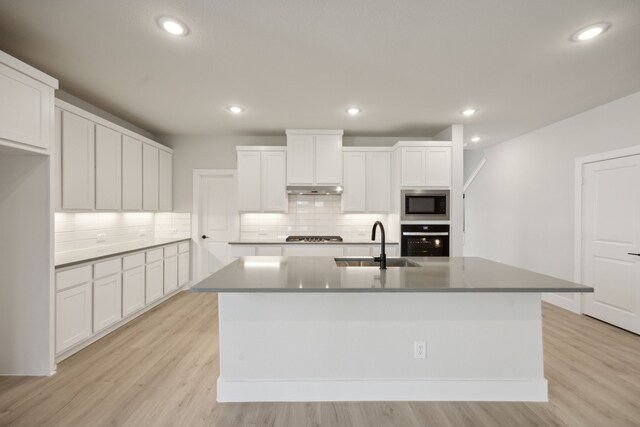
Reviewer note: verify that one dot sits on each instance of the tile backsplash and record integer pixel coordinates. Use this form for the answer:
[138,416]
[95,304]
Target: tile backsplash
[75,230]
[308,215]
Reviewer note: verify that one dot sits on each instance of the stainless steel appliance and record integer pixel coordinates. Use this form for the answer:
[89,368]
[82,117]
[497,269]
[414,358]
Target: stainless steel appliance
[425,205]
[314,239]
[424,240]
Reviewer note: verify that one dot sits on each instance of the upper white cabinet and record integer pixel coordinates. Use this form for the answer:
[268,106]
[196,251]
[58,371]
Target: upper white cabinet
[131,174]
[108,168]
[314,157]
[367,181]
[428,166]
[78,167]
[262,181]
[150,177]
[26,108]
[165,193]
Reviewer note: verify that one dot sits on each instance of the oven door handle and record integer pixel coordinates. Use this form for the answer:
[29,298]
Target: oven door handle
[423,233]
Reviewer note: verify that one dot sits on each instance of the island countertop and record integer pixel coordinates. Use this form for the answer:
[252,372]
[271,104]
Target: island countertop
[435,274]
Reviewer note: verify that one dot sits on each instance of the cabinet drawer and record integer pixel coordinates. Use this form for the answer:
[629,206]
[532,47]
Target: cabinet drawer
[183,247]
[70,278]
[154,255]
[237,251]
[171,251]
[132,261]
[107,268]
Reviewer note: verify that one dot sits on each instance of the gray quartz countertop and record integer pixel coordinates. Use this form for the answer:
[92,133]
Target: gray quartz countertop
[283,242]
[67,259]
[321,274]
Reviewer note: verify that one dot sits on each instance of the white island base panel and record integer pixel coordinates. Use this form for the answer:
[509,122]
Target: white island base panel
[302,347]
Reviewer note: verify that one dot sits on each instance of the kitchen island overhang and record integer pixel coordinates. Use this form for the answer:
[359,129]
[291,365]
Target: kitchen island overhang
[304,329]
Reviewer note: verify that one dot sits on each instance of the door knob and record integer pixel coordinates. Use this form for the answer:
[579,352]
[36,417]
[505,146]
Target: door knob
[630,253]
[204,236]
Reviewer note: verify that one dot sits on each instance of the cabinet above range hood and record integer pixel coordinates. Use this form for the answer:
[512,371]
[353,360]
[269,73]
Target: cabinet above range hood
[314,190]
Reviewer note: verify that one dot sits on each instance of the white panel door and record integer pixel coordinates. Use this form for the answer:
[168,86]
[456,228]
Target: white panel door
[379,181]
[300,159]
[131,174]
[413,166]
[328,159]
[154,286]
[355,181]
[218,220]
[78,162]
[73,316]
[438,167]
[132,290]
[150,176]
[107,302]
[249,185]
[108,168]
[165,183]
[183,268]
[274,181]
[611,241]
[170,274]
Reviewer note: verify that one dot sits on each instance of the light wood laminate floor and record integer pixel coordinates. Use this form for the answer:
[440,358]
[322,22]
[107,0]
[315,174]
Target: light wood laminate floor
[161,370]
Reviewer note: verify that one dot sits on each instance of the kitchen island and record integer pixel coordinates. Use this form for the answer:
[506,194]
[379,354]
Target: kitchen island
[321,329]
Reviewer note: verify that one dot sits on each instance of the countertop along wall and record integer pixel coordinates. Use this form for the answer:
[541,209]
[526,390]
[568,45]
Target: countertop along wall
[520,207]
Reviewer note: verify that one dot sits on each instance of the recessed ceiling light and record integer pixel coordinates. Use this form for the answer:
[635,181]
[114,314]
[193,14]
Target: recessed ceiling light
[354,111]
[475,139]
[590,32]
[469,111]
[173,26]
[235,109]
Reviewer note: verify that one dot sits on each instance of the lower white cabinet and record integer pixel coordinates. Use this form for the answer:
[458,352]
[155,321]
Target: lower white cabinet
[107,302]
[183,268]
[154,286]
[313,250]
[73,316]
[363,250]
[170,274]
[132,290]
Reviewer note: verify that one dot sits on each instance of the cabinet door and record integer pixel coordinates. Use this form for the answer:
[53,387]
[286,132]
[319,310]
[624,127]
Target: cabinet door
[269,250]
[328,159]
[108,168]
[107,302]
[413,166]
[166,181]
[438,167]
[78,167]
[357,250]
[249,181]
[183,268]
[300,159]
[313,250]
[170,274]
[154,286]
[355,185]
[131,174]
[274,181]
[379,181]
[132,290]
[73,316]
[149,177]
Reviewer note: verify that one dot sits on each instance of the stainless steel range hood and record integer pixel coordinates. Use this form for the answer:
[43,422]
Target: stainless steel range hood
[314,190]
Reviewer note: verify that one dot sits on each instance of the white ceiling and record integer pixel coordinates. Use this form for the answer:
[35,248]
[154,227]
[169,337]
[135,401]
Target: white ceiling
[411,65]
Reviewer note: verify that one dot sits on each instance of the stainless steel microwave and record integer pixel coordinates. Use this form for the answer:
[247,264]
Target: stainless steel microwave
[425,205]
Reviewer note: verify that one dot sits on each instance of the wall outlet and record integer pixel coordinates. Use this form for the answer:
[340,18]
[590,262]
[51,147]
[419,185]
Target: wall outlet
[419,350]
[101,237]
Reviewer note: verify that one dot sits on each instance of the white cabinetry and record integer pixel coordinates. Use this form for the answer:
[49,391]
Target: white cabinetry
[150,171]
[131,174]
[132,290]
[373,249]
[78,167]
[428,166]
[367,181]
[183,268]
[73,316]
[108,168]
[170,269]
[107,301]
[165,202]
[262,180]
[154,276]
[314,157]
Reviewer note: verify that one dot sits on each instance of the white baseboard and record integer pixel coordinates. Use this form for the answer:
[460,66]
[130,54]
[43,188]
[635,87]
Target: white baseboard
[531,390]
[571,304]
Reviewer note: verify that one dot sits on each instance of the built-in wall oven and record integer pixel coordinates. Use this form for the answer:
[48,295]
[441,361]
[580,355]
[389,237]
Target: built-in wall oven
[425,205]
[424,240]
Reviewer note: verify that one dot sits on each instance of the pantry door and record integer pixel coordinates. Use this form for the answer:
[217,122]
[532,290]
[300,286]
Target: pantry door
[216,221]
[611,240]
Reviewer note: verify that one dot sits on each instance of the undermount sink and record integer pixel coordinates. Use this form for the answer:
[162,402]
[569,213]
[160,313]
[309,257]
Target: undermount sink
[369,262]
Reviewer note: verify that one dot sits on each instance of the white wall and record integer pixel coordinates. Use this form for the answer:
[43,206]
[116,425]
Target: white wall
[519,209]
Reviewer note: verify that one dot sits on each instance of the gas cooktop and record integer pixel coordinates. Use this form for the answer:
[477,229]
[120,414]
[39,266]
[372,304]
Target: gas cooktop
[314,239]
